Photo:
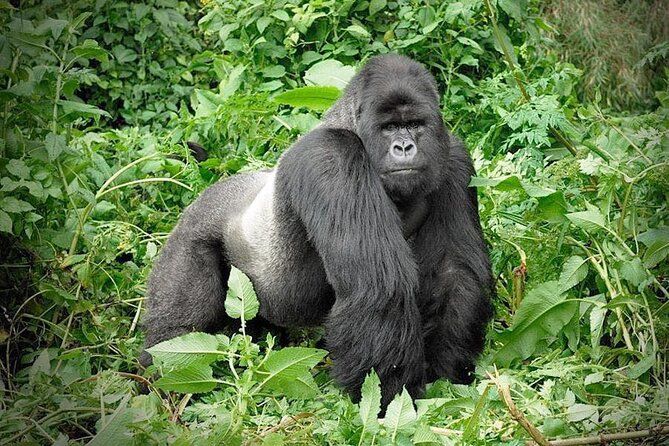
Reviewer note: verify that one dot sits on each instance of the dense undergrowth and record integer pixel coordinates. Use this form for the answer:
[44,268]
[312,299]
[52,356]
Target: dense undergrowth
[98,100]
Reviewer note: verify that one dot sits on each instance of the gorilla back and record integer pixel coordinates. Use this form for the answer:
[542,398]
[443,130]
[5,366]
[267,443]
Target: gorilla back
[367,225]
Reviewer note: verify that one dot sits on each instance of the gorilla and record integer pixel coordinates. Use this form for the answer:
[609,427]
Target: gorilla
[367,225]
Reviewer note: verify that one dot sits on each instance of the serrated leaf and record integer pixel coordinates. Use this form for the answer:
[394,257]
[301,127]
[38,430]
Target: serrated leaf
[574,270]
[315,98]
[197,378]
[370,402]
[183,351]
[288,370]
[590,220]
[400,414]
[241,301]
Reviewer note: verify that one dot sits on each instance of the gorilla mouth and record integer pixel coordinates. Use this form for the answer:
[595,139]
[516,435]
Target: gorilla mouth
[404,171]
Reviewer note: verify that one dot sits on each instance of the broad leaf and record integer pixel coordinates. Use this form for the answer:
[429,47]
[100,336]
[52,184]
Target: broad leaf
[542,314]
[289,371]
[191,348]
[196,378]
[329,73]
[315,98]
[241,301]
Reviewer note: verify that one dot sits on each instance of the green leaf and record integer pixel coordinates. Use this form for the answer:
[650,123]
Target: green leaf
[241,301]
[580,412]
[425,437]
[18,168]
[358,31]
[552,208]
[641,367]
[574,270]
[262,23]
[289,373]
[542,314]
[233,82]
[370,402]
[5,223]
[510,183]
[274,71]
[90,50]
[315,98]
[400,415]
[55,145]
[123,55]
[81,108]
[183,351]
[115,429]
[634,272]
[197,378]
[657,243]
[473,425]
[590,220]
[376,6]
[281,15]
[329,72]
[514,8]
[14,205]
[505,44]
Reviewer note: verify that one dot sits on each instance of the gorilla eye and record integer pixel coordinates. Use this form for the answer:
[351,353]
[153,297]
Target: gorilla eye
[414,125]
[389,127]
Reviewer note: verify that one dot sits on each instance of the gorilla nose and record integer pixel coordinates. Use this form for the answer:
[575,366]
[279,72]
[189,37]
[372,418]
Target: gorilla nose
[403,149]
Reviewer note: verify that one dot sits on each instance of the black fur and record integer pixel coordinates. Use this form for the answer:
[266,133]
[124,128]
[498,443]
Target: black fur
[371,230]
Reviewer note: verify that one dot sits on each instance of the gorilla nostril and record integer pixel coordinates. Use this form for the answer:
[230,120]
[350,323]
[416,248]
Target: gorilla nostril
[398,150]
[408,148]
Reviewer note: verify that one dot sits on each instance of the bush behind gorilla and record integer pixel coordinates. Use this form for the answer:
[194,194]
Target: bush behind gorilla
[367,225]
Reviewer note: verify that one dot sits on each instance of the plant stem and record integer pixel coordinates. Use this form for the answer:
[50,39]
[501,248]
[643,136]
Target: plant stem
[515,70]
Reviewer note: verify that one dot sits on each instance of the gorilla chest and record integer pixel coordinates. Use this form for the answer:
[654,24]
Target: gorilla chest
[272,248]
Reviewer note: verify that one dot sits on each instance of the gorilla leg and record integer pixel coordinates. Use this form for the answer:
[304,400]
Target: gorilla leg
[328,181]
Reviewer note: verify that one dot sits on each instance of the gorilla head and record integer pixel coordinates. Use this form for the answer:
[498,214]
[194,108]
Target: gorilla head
[400,125]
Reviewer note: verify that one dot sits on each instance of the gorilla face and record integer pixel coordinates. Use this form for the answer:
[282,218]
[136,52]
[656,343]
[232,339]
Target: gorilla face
[400,125]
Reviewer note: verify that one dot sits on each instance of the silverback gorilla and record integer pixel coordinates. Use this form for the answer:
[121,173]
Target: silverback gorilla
[367,225]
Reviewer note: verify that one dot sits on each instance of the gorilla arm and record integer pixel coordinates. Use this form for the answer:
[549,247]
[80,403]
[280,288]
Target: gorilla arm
[356,230]
[458,284]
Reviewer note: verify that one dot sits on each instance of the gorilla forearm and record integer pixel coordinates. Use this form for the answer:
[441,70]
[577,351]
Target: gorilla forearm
[357,231]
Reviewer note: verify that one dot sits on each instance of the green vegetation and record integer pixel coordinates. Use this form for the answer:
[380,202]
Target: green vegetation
[568,132]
